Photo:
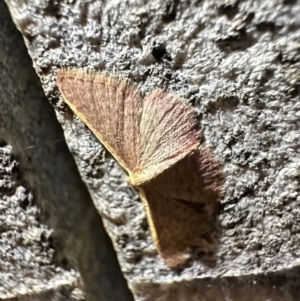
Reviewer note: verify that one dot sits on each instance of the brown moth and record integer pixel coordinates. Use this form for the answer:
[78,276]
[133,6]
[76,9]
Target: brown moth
[157,142]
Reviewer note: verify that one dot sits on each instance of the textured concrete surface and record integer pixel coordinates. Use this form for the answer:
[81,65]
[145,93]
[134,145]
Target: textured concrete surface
[49,226]
[238,63]
[26,256]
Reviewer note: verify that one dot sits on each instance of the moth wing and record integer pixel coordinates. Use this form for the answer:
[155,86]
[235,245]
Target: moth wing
[175,226]
[168,133]
[197,178]
[180,204]
[109,107]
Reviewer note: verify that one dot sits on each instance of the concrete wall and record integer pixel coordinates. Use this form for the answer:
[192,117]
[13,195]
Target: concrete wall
[238,63]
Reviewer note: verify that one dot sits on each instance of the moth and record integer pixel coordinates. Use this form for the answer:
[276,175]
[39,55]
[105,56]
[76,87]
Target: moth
[157,141]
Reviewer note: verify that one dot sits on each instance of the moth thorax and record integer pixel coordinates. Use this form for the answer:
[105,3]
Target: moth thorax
[130,181]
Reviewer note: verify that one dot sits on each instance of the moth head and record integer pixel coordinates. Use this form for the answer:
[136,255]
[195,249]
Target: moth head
[130,181]
[133,180]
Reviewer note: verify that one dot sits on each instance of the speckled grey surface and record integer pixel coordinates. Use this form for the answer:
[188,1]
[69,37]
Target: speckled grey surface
[27,258]
[238,63]
[49,227]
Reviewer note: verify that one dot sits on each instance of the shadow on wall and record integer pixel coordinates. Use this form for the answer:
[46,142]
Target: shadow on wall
[29,124]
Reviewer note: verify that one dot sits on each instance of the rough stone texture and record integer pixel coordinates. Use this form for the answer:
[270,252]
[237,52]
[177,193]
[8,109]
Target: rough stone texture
[238,63]
[49,226]
[26,255]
